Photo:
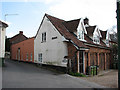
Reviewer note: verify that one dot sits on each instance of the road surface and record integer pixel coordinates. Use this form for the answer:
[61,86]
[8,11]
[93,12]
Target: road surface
[23,75]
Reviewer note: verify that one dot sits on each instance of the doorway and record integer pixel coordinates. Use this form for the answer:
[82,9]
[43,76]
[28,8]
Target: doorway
[18,53]
[80,61]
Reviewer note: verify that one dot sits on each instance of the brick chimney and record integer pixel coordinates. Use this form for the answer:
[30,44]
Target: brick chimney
[86,21]
[20,32]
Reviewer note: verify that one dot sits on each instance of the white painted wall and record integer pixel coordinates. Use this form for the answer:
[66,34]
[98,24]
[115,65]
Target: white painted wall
[53,51]
[2,41]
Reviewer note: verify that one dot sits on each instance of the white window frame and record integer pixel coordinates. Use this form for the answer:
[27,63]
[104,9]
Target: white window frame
[107,42]
[31,56]
[96,39]
[81,35]
[16,56]
[65,61]
[44,37]
[27,56]
[40,57]
[21,57]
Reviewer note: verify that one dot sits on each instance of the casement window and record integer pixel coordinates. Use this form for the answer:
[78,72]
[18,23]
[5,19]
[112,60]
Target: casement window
[44,37]
[65,61]
[27,56]
[107,42]
[40,57]
[21,57]
[16,56]
[81,35]
[31,57]
[96,39]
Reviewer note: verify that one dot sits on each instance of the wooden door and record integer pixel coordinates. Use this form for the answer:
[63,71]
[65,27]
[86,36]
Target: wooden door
[81,61]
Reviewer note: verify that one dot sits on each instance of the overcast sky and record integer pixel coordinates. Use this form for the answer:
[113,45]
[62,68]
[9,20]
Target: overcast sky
[30,14]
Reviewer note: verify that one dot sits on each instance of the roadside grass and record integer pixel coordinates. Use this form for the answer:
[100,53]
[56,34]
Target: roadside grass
[77,74]
[56,71]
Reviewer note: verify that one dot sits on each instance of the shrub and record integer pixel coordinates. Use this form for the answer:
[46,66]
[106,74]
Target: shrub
[77,74]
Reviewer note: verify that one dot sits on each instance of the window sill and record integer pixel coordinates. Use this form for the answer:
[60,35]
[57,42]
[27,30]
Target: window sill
[40,62]
[43,41]
[82,40]
[64,63]
[96,43]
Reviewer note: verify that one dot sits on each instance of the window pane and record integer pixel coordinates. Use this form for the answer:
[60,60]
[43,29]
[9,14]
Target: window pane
[45,36]
[31,56]
[27,56]
[40,57]
[42,36]
[96,40]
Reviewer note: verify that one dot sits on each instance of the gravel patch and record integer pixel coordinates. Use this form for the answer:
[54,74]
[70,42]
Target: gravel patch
[109,79]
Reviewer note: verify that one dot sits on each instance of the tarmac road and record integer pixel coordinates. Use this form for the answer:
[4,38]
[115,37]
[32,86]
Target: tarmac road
[23,75]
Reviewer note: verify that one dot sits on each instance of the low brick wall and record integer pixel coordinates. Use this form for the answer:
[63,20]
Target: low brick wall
[52,67]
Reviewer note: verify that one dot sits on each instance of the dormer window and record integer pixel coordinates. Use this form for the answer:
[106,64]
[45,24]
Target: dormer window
[81,35]
[96,40]
[107,38]
[81,30]
[107,42]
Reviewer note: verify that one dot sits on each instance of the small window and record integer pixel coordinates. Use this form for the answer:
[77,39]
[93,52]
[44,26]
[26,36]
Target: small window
[107,41]
[65,61]
[54,38]
[81,35]
[27,56]
[2,29]
[31,57]
[96,40]
[16,56]
[40,57]
[21,57]
[44,37]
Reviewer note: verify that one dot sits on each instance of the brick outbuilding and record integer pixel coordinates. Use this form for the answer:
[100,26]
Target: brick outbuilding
[23,51]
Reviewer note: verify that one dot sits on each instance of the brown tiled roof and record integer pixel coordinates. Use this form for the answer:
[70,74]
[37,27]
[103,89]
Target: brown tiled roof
[58,23]
[90,30]
[3,24]
[25,40]
[90,41]
[71,25]
[103,33]
[65,29]
[18,38]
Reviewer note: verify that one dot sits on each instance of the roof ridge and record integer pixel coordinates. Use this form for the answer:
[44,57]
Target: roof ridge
[73,20]
[53,17]
[17,35]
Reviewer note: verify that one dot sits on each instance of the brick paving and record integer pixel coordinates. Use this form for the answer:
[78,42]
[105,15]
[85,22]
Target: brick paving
[107,78]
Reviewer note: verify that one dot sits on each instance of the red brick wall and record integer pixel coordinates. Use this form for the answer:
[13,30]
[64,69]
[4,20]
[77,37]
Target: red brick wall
[72,54]
[94,54]
[103,61]
[71,50]
[26,46]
